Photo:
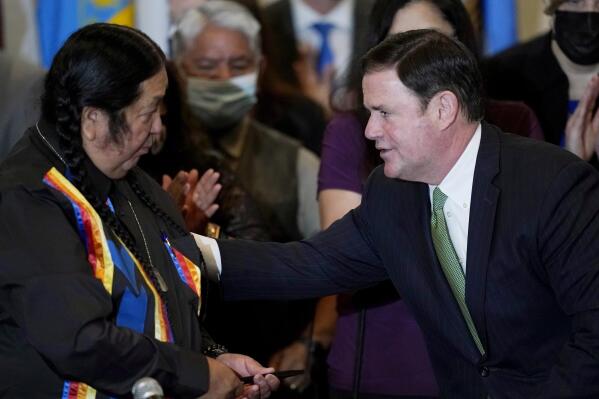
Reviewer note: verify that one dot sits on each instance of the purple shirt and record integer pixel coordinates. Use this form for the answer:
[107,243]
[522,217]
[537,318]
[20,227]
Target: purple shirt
[395,360]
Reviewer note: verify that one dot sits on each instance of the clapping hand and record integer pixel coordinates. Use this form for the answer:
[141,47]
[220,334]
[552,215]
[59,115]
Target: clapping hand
[582,129]
[205,190]
[194,196]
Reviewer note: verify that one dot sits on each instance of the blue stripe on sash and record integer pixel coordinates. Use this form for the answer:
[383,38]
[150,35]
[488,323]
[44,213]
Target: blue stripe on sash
[124,263]
[132,310]
[134,303]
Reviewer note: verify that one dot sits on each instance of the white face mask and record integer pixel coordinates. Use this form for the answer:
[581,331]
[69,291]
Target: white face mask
[220,104]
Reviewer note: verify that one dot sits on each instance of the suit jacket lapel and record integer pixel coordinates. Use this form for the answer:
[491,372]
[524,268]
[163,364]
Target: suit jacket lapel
[480,230]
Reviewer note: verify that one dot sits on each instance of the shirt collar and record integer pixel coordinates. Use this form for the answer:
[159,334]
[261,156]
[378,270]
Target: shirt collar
[457,185]
[304,16]
[101,183]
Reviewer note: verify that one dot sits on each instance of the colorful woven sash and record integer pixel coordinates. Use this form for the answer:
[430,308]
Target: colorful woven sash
[103,255]
[188,271]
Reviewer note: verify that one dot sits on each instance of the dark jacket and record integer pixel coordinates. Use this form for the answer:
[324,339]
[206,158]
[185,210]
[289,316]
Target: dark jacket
[532,281]
[58,322]
[530,72]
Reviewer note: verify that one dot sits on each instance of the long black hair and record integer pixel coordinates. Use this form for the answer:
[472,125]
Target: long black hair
[101,65]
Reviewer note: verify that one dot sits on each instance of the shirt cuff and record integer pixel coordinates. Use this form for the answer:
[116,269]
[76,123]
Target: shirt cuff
[211,254]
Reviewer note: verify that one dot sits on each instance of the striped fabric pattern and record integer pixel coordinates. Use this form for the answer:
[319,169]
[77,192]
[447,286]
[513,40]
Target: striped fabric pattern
[188,271]
[449,261]
[92,234]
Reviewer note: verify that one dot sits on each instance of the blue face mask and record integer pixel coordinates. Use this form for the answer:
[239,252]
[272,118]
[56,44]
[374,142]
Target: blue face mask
[221,104]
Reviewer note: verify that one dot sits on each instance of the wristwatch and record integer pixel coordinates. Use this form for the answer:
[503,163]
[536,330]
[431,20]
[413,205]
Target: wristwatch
[214,350]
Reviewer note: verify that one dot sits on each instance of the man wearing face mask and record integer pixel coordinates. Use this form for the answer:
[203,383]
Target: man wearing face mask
[217,49]
[557,76]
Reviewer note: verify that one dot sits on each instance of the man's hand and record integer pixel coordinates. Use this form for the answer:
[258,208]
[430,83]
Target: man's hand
[224,383]
[246,366]
[582,129]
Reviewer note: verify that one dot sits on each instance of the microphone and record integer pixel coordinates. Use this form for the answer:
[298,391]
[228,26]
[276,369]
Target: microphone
[147,388]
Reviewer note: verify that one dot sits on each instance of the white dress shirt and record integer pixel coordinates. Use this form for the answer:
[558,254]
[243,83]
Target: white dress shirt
[457,185]
[211,254]
[340,37]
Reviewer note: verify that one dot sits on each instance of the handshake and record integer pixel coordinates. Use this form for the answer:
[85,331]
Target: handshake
[258,381]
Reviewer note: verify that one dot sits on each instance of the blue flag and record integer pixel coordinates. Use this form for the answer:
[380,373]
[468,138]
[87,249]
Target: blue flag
[499,24]
[57,19]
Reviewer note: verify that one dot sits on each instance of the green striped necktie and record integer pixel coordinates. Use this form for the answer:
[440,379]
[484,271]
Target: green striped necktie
[449,261]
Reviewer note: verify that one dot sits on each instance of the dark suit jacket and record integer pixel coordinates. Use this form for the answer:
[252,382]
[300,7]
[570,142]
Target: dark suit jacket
[530,73]
[532,279]
[279,22]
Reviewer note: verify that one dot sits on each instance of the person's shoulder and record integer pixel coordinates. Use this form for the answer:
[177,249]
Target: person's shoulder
[518,145]
[274,135]
[307,158]
[533,158]
[529,49]
[525,59]
[383,186]
[345,133]
[514,117]
[345,121]
[385,198]
[24,166]
[23,181]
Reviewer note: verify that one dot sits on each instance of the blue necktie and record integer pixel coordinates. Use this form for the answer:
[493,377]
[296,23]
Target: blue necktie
[325,54]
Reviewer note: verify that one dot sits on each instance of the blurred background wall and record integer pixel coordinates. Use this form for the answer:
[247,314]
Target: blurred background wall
[531,19]
[21,20]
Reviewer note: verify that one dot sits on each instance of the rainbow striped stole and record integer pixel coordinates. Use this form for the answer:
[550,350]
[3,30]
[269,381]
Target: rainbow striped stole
[188,271]
[89,226]
[100,258]
[77,390]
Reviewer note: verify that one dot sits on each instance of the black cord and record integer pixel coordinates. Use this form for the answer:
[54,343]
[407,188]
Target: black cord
[359,352]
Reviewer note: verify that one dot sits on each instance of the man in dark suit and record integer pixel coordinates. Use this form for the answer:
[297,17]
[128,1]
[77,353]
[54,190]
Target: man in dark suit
[490,238]
[288,29]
